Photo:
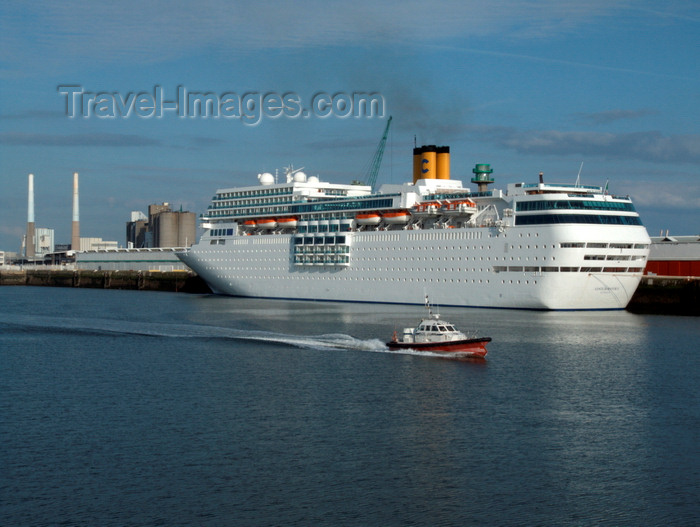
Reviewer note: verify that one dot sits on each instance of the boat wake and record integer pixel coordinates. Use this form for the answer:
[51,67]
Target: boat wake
[328,342]
[180,331]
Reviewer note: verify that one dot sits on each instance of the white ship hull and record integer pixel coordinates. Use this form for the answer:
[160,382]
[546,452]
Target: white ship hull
[529,267]
[535,246]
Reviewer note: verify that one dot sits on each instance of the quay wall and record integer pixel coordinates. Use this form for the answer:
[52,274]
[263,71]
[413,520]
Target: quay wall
[667,295]
[182,281]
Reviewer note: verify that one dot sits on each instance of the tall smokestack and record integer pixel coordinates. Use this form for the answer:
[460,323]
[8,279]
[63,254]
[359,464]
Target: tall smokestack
[75,230]
[29,247]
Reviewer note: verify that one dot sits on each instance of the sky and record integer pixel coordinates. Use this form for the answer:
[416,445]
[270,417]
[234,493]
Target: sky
[606,89]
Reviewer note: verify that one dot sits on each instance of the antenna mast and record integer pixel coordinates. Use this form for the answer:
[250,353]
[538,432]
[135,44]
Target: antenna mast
[578,177]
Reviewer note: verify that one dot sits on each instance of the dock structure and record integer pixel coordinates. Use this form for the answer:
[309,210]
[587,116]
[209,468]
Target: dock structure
[667,295]
[176,281]
[147,259]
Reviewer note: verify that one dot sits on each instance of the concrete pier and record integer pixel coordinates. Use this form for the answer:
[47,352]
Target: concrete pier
[142,280]
[667,295]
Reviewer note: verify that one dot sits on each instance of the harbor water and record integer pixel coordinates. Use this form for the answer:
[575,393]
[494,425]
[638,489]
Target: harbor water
[131,408]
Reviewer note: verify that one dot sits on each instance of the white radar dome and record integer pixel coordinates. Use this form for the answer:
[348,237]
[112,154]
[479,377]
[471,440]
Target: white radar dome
[300,177]
[312,179]
[266,178]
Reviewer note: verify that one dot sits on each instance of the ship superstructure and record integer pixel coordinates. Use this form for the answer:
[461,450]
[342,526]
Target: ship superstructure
[533,246]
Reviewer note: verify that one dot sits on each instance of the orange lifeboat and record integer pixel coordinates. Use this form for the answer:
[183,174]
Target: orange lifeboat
[427,207]
[399,217]
[459,207]
[287,223]
[267,223]
[249,224]
[368,218]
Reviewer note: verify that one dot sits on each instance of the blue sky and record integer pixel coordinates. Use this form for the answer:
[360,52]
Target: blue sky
[526,86]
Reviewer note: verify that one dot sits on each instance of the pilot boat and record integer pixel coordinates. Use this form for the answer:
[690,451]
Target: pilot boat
[437,335]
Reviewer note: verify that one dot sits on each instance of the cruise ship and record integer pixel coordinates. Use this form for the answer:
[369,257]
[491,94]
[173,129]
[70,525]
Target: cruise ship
[535,245]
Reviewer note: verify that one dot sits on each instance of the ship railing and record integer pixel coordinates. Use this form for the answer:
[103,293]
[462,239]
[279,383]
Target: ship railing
[559,185]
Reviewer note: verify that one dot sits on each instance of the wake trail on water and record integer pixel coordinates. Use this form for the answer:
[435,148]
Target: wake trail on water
[326,342]
[336,341]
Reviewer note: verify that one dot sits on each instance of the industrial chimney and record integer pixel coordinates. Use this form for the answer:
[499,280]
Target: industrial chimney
[30,243]
[75,229]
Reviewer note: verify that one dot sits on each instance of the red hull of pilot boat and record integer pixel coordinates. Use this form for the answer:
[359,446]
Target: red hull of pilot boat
[471,347]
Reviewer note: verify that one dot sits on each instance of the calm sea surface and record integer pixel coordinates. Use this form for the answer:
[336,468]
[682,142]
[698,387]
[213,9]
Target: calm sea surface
[122,408]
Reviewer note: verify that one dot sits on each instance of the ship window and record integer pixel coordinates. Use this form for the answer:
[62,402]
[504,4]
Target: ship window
[599,219]
[525,206]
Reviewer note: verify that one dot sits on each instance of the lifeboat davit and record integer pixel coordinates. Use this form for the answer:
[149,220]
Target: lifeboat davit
[368,218]
[287,223]
[397,217]
[347,225]
[267,223]
[249,224]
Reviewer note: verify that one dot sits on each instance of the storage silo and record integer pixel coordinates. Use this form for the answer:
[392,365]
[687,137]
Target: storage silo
[166,229]
[187,229]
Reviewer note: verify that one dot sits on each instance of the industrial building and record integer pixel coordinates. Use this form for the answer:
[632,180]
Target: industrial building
[38,244]
[162,228]
[152,240]
[674,256]
[43,242]
[151,243]
[147,259]
[96,244]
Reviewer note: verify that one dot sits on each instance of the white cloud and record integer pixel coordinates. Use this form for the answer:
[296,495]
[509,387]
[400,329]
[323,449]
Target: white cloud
[650,146]
[659,197]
